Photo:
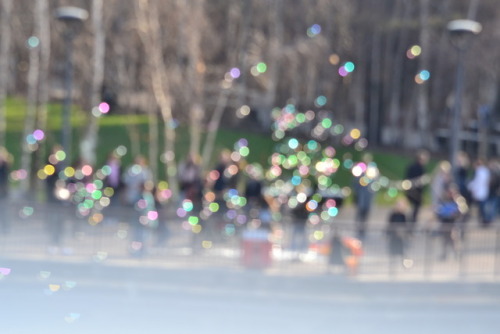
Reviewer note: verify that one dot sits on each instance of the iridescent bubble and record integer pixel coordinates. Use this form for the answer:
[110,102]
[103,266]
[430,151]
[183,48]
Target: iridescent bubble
[193,220]
[261,67]
[349,66]
[104,107]
[293,143]
[334,59]
[60,155]
[300,118]
[320,101]
[244,151]
[314,30]
[338,129]
[235,72]
[355,133]
[38,134]
[243,111]
[30,139]
[49,170]
[425,75]
[326,123]
[5,271]
[343,72]
[87,170]
[242,142]
[414,51]
[33,42]
[121,150]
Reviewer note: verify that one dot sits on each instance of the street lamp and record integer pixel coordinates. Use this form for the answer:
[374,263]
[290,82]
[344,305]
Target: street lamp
[72,17]
[461,32]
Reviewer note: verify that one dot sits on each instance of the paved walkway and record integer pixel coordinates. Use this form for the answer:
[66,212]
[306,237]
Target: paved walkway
[109,244]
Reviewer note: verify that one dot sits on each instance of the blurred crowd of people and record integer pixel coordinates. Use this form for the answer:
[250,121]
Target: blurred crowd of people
[231,197]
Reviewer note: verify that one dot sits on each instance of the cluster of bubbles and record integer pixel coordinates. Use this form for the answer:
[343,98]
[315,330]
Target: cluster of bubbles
[413,52]
[82,185]
[33,139]
[314,30]
[422,77]
[258,69]
[345,69]
[102,109]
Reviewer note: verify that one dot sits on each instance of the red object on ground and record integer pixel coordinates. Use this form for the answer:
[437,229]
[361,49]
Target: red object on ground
[256,250]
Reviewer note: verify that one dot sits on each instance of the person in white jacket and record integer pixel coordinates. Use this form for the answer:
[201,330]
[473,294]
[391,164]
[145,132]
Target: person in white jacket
[479,187]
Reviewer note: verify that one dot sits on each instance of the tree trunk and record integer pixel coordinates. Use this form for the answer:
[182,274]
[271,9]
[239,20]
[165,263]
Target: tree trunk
[29,143]
[422,89]
[374,115]
[43,84]
[89,143]
[153,147]
[149,32]
[213,126]
[393,130]
[4,64]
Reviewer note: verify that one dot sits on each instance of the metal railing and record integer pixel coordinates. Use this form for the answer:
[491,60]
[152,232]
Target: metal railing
[40,232]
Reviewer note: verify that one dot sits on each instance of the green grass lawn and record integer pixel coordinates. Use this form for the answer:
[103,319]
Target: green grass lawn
[116,130]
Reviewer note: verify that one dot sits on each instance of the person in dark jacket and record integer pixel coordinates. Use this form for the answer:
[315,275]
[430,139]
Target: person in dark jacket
[5,162]
[415,173]
[397,231]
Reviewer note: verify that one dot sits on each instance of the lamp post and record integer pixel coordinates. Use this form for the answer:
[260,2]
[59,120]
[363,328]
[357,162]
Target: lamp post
[461,32]
[72,17]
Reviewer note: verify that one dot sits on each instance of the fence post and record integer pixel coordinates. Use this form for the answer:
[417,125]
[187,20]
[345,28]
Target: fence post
[496,268]
[461,250]
[427,252]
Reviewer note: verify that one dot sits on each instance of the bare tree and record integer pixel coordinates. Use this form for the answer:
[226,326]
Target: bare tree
[29,144]
[4,63]
[43,84]
[422,89]
[89,143]
[150,34]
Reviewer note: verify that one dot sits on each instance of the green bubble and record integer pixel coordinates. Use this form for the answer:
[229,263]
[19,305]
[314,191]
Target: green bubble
[338,129]
[28,210]
[392,192]
[326,123]
[60,155]
[302,155]
[261,67]
[325,216]
[193,220]
[213,207]
[300,118]
[244,151]
[97,194]
[293,160]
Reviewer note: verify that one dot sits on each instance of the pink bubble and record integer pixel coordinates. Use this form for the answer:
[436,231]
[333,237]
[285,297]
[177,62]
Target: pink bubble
[343,72]
[152,215]
[38,134]
[5,271]
[104,107]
